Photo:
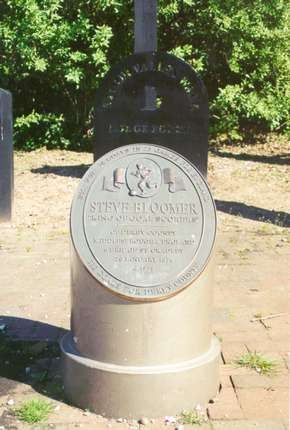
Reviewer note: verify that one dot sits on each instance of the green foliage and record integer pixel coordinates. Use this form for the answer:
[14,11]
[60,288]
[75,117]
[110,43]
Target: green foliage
[191,417]
[255,361]
[34,411]
[35,130]
[54,54]
[240,49]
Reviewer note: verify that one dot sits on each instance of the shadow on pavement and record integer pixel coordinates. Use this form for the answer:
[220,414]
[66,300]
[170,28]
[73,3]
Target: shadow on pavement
[29,330]
[254,213]
[282,159]
[74,171]
[30,355]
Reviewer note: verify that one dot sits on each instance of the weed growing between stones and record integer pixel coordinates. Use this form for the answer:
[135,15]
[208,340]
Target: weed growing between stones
[255,361]
[258,315]
[191,417]
[34,411]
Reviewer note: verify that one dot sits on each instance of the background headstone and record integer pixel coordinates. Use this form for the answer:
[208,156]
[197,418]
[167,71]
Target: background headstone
[175,116]
[6,156]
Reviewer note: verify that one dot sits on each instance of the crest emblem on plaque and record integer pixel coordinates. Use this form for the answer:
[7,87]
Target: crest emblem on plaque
[143,178]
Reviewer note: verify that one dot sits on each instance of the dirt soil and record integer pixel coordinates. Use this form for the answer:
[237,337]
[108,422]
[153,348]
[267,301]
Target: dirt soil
[251,188]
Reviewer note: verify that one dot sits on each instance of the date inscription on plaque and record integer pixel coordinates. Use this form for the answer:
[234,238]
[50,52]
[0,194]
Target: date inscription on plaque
[143,222]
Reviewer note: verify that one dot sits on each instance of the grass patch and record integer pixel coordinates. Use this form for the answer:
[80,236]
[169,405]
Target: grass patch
[243,253]
[267,229]
[34,411]
[255,361]
[191,417]
[258,315]
[224,253]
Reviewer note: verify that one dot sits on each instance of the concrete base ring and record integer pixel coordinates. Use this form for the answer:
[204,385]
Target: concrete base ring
[121,391]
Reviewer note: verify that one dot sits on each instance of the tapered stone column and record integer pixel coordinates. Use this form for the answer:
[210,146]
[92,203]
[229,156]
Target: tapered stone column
[143,227]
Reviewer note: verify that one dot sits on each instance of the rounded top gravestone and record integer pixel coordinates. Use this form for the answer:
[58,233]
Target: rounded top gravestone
[157,98]
[143,222]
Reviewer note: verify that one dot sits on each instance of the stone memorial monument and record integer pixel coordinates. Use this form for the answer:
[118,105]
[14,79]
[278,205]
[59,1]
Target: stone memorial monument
[6,156]
[143,227]
[152,97]
[155,98]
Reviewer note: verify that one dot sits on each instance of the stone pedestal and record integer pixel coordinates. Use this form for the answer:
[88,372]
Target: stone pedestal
[130,354]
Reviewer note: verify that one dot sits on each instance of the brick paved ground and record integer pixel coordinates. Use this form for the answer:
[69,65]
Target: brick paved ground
[252,278]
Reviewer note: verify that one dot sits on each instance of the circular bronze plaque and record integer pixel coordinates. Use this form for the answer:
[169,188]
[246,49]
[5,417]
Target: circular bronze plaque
[143,222]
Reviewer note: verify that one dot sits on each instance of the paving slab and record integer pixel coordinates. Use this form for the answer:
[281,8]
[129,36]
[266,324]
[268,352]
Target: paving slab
[278,328]
[254,380]
[226,406]
[160,425]
[267,404]
[225,381]
[232,350]
[252,277]
[247,425]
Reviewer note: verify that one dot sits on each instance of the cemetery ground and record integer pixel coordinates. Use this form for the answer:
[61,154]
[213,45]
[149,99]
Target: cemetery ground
[251,187]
